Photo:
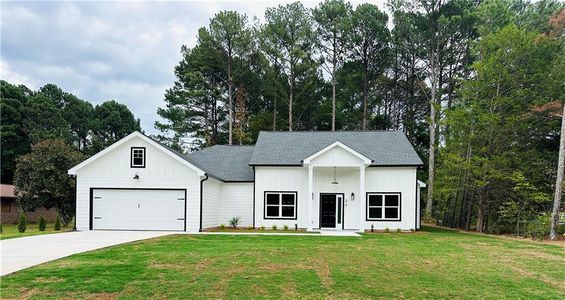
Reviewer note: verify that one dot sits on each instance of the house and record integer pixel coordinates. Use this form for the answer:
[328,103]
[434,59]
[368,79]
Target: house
[10,209]
[311,180]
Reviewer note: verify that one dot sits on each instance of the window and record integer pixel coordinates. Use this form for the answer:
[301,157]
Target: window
[280,205]
[383,206]
[138,157]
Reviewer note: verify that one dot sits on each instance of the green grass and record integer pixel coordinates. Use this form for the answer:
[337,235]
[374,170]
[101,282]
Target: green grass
[433,263]
[10,231]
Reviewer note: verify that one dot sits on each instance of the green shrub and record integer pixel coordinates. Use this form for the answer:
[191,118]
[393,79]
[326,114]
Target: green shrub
[262,228]
[1,229]
[234,222]
[285,227]
[42,224]
[398,230]
[57,223]
[387,230]
[250,227]
[222,226]
[274,227]
[22,223]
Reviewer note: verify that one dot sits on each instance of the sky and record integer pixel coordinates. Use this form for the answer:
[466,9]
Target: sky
[100,51]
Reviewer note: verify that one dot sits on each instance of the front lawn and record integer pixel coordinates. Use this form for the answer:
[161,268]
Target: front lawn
[10,231]
[433,263]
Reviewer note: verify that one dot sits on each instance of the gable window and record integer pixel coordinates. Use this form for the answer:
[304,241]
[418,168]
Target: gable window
[280,205]
[383,206]
[138,157]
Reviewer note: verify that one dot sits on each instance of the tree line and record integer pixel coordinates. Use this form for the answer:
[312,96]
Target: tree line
[46,132]
[476,86]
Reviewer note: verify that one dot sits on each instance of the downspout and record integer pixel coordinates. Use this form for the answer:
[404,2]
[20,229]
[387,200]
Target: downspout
[201,198]
[253,196]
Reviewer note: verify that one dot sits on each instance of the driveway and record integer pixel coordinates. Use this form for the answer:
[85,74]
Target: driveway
[21,253]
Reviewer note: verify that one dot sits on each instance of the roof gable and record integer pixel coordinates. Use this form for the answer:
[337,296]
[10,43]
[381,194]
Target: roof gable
[337,156]
[175,155]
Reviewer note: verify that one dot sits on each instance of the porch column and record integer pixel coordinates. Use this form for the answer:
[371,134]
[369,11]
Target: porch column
[309,196]
[361,198]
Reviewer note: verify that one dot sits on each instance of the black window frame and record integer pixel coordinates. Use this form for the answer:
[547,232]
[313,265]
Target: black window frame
[280,193]
[131,157]
[383,206]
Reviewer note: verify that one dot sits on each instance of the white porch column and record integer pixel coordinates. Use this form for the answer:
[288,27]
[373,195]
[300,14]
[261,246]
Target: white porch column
[309,196]
[361,198]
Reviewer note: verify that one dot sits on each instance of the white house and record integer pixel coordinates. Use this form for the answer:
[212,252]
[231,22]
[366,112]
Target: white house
[312,180]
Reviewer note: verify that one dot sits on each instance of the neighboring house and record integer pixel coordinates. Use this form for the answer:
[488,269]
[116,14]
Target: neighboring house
[312,180]
[11,209]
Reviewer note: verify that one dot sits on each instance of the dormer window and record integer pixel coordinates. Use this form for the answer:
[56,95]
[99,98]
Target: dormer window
[138,157]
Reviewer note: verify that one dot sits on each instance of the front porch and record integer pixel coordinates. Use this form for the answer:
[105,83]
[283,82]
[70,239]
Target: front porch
[336,189]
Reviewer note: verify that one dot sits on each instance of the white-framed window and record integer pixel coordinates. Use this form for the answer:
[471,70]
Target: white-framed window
[383,206]
[137,157]
[280,205]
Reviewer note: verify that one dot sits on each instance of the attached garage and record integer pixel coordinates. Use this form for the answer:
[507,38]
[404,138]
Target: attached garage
[138,209]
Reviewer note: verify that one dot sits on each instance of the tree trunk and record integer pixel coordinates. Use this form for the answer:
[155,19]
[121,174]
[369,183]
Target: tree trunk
[333,81]
[559,181]
[365,97]
[290,105]
[230,107]
[431,161]
[333,104]
[275,114]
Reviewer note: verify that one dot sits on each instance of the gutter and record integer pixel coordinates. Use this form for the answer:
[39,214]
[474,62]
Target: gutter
[201,198]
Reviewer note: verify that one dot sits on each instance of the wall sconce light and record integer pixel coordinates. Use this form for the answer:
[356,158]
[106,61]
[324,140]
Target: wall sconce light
[135,176]
[352,196]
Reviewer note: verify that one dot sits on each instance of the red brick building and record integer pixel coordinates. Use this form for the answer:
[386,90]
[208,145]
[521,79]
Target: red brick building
[11,209]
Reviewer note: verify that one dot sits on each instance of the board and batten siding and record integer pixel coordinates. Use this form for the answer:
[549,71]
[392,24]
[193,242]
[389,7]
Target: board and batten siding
[161,171]
[210,202]
[393,180]
[377,179]
[236,201]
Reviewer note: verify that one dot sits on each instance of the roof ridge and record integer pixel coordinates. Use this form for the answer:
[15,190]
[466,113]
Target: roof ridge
[329,131]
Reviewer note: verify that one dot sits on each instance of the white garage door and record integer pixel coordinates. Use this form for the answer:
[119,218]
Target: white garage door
[138,209]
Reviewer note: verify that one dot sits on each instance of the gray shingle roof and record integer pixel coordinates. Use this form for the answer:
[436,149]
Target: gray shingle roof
[384,148]
[227,163]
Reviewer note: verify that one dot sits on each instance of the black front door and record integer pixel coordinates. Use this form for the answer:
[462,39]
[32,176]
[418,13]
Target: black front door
[328,210]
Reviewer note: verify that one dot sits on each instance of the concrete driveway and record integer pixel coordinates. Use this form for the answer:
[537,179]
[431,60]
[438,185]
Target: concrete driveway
[20,253]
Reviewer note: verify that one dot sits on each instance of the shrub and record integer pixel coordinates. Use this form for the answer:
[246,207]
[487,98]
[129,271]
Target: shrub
[234,222]
[285,227]
[42,223]
[387,230]
[398,230]
[222,226]
[262,228]
[58,223]
[1,229]
[250,227]
[22,223]
[274,227]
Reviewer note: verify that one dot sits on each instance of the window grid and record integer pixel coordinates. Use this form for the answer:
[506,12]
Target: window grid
[280,205]
[383,206]
[138,157]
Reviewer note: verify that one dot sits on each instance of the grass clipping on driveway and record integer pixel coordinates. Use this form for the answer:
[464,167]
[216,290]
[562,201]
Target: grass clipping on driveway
[433,263]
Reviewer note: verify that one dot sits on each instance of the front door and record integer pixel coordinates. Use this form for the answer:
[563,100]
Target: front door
[330,210]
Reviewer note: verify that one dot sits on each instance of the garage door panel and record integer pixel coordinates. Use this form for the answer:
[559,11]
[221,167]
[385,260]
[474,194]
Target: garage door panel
[138,209]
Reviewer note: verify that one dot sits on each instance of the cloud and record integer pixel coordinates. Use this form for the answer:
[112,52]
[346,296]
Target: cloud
[107,50]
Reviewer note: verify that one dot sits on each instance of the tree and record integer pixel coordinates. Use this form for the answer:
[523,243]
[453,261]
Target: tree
[22,223]
[14,140]
[370,38]
[194,105]
[113,122]
[333,18]
[287,39]
[558,181]
[41,178]
[80,116]
[232,38]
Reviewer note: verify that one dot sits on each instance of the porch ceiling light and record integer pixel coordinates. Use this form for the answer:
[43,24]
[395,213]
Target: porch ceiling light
[352,196]
[335,179]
